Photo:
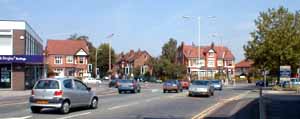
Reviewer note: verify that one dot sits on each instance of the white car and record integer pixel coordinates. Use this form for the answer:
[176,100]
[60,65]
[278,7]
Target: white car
[91,80]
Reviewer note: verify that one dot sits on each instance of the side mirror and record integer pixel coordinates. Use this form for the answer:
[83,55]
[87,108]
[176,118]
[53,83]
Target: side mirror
[89,88]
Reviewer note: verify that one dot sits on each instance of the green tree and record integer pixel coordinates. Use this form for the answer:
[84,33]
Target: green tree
[165,66]
[103,58]
[169,50]
[276,40]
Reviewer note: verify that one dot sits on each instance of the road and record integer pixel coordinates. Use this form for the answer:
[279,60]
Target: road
[151,103]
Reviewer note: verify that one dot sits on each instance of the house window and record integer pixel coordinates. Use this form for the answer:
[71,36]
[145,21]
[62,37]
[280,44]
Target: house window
[210,63]
[81,60]
[211,54]
[58,60]
[220,63]
[58,71]
[69,59]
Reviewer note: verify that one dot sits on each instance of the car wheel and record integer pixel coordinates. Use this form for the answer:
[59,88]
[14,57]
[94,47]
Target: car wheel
[190,95]
[65,107]
[212,93]
[35,109]
[165,91]
[120,92]
[94,103]
[139,91]
[177,91]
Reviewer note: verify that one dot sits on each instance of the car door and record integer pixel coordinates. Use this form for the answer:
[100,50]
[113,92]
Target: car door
[83,93]
[70,92]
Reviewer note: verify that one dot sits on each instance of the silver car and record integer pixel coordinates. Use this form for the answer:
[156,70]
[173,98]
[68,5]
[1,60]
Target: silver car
[61,93]
[201,87]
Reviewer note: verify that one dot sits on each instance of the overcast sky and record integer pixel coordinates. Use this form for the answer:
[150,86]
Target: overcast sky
[144,24]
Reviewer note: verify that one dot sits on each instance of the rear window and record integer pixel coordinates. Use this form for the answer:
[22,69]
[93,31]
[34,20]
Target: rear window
[216,81]
[47,84]
[200,82]
[125,81]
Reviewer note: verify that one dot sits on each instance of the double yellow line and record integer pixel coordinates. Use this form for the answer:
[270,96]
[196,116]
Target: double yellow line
[209,110]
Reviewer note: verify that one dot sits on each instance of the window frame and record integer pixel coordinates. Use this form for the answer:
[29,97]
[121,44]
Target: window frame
[70,59]
[56,59]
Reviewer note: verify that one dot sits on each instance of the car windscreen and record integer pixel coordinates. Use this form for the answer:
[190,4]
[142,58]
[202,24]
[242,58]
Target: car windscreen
[125,81]
[200,82]
[47,84]
[170,81]
[215,81]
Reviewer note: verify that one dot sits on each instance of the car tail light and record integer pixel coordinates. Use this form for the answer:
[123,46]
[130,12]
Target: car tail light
[32,92]
[58,93]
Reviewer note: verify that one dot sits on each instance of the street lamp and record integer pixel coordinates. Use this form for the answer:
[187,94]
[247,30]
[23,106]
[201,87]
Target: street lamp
[199,36]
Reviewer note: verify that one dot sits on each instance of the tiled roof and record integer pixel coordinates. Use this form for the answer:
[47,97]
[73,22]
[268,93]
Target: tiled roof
[192,51]
[66,47]
[244,63]
[131,56]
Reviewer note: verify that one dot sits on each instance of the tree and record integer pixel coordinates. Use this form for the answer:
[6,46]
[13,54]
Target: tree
[276,40]
[103,58]
[169,50]
[165,66]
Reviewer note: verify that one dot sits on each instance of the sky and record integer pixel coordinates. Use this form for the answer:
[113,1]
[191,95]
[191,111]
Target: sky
[144,24]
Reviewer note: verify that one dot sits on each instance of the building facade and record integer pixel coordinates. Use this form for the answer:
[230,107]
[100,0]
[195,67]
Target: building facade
[205,62]
[21,55]
[126,63]
[243,67]
[68,57]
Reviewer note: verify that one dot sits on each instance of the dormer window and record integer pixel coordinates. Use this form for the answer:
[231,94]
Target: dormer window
[211,54]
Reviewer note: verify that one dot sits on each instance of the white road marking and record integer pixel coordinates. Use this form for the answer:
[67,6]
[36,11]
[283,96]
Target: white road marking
[154,90]
[25,117]
[75,115]
[121,106]
[9,104]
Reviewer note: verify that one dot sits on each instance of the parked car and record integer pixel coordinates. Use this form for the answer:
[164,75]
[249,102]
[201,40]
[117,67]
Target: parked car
[217,84]
[114,83]
[172,85]
[185,84]
[201,87]
[129,85]
[61,93]
[91,80]
[261,83]
[295,81]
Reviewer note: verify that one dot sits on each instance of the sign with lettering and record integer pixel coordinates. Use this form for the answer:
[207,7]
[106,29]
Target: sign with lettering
[21,58]
[285,73]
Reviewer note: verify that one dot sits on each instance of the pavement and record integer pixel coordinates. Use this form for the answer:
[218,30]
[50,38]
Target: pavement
[151,103]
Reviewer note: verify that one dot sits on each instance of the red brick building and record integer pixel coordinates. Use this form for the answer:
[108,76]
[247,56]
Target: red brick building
[206,61]
[68,57]
[243,67]
[127,62]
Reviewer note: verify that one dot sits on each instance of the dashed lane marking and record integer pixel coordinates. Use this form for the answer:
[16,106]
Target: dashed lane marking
[122,106]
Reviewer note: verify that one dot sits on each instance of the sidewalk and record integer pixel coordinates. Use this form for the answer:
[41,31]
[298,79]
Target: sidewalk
[9,93]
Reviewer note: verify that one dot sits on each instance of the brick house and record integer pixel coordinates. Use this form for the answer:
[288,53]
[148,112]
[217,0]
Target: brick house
[206,63]
[127,62]
[68,57]
[243,67]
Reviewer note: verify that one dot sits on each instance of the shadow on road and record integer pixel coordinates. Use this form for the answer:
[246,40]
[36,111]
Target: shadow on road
[51,111]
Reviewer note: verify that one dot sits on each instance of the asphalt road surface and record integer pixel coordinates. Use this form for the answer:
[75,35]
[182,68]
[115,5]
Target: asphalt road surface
[151,103]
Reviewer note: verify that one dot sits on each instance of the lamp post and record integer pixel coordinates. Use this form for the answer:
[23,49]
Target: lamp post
[199,37]
[96,55]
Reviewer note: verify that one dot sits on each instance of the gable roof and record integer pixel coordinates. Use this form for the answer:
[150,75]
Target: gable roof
[190,51]
[131,55]
[66,47]
[244,63]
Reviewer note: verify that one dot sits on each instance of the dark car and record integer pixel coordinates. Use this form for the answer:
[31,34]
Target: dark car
[129,85]
[113,83]
[172,85]
[261,83]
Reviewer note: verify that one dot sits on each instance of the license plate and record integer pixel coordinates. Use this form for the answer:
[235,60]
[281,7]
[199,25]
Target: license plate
[42,102]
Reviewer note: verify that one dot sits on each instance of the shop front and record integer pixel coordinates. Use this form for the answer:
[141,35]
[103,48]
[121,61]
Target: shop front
[20,72]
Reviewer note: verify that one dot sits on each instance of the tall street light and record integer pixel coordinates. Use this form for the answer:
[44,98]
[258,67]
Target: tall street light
[109,67]
[199,37]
